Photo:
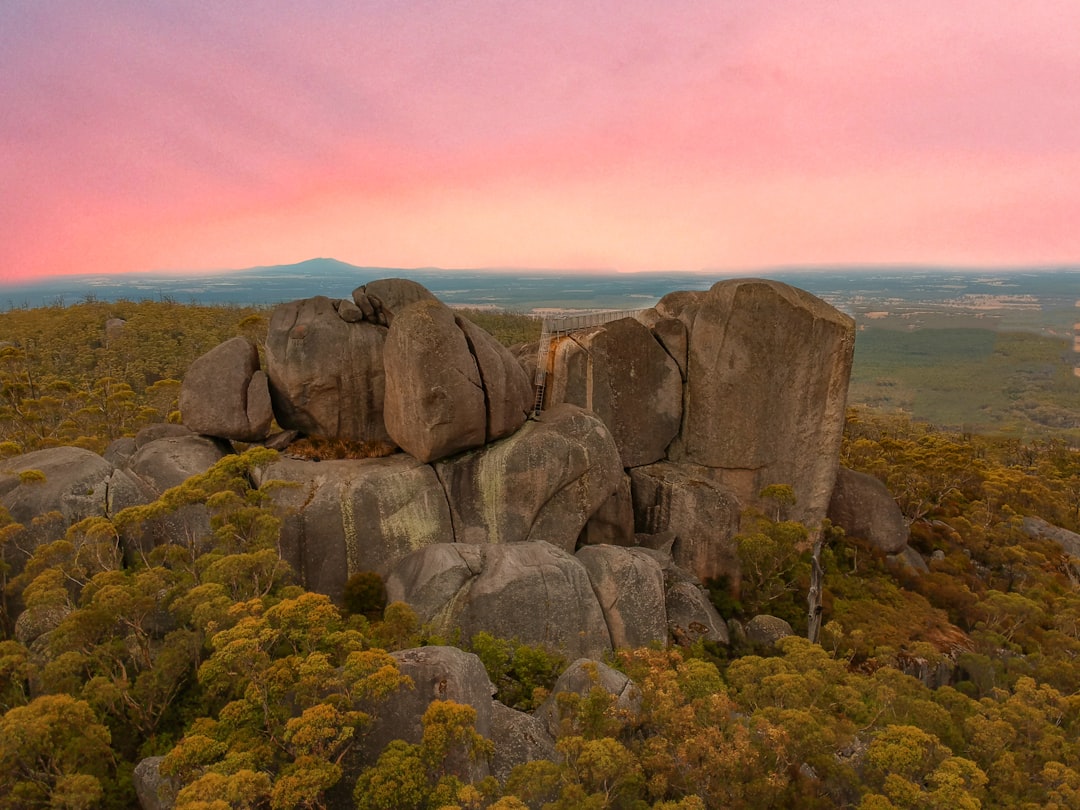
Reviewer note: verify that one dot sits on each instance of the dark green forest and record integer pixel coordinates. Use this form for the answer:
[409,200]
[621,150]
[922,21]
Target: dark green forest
[956,688]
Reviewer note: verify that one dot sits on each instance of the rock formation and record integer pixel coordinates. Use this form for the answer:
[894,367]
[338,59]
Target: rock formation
[659,433]
[542,483]
[57,487]
[226,394]
[437,673]
[346,516]
[629,585]
[1068,541]
[703,515]
[533,592]
[766,388]
[623,375]
[864,508]
[326,374]
[450,386]
[580,678]
[518,738]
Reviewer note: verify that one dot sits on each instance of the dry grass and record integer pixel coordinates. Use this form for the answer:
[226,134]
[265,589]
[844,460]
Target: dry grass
[319,448]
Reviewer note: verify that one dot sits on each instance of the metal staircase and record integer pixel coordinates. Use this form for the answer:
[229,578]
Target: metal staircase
[558,326]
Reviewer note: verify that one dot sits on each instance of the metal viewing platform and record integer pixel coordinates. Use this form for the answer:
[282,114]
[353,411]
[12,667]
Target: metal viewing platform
[558,326]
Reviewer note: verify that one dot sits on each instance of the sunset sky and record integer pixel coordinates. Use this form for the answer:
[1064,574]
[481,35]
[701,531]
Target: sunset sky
[631,135]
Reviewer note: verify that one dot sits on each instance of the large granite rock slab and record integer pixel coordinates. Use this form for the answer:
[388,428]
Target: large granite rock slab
[670,332]
[354,515]
[629,585]
[153,790]
[766,389]
[450,386]
[69,480]
[623,375]
[508,392]
[864,508]
[518,738]
[434,404]
[168,462]
[690,614]
[226,394]
[613,521]
[703,515]
[533,592]
[378,301]
[542,483]
[326,374]
[682,305]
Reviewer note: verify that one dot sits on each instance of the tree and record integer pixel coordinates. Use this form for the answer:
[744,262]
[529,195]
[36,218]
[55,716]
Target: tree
[428,774]
[53,753]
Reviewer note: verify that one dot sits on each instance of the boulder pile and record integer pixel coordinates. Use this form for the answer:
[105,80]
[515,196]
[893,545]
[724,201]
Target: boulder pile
[588,526]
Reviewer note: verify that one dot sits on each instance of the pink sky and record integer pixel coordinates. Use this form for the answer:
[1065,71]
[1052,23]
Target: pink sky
[725,134]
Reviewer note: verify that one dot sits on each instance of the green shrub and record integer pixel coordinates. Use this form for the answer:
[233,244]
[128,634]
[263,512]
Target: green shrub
[365,594]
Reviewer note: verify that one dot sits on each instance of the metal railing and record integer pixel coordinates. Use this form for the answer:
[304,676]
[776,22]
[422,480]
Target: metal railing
[555,326]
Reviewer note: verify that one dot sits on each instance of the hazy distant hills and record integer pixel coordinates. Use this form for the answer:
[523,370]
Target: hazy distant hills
[1040,299]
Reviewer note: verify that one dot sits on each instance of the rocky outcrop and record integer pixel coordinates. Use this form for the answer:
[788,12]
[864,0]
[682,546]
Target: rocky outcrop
[580,678]
[613,521]
[68,480]
[346,516]
[689,612]
[38,620]
[1039,528]
[703,516]
[326,374]
[908,561]
[450,386]
[153,790]
[619,372]
[864,508]
[434,397]
[664,429]
[603,597]
[226,394]
[378,301]
[533,592]
[156,467]
[518,738]
[671,333]
[682,305]
[766,388]
[508,393]
[165,463]
[764,630]
[164,430]
[542,483]
[629,585]
[58,486]
[437,673]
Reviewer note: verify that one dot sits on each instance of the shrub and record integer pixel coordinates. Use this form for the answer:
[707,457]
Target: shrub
[365,594]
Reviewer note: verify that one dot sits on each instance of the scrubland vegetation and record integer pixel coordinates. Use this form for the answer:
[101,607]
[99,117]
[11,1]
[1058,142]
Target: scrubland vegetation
[956,688]
[1014,384]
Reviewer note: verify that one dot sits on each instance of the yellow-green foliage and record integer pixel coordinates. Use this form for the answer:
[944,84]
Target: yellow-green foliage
[508,328]
[258,693]
[65,380]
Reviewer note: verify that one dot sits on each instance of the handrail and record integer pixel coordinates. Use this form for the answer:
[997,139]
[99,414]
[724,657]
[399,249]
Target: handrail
[554,326]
